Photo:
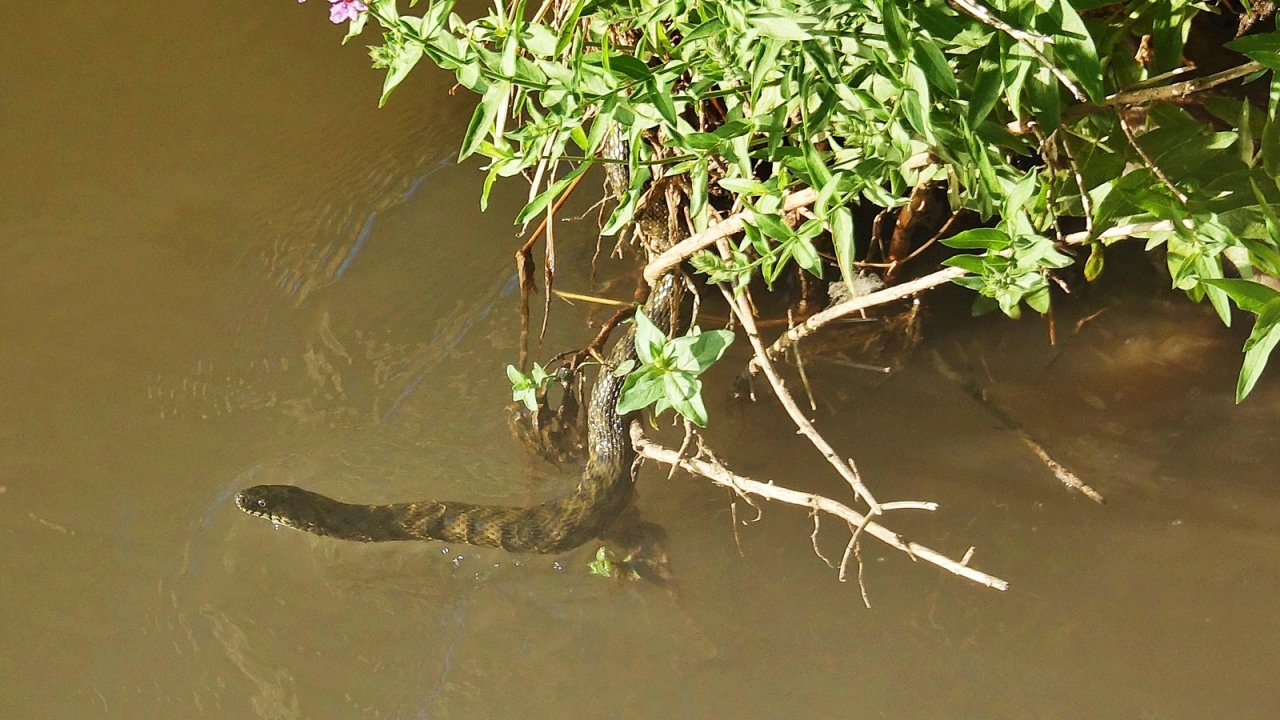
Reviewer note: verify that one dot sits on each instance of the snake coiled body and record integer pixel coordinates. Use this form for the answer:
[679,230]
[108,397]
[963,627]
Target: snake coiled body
[601,494]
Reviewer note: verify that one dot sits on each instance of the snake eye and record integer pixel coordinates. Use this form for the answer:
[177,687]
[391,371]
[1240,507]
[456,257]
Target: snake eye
[262,503]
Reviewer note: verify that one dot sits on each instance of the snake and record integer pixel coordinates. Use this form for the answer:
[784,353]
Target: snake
[603,491]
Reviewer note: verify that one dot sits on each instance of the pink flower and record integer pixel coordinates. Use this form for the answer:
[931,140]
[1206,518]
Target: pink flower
[341,11]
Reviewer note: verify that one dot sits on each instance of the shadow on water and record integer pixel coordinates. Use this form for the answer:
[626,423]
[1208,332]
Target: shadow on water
[232,270]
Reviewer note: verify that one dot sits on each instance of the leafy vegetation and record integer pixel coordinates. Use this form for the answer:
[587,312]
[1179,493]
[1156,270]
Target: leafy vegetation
[666,375]
[1056,124]
[525,388]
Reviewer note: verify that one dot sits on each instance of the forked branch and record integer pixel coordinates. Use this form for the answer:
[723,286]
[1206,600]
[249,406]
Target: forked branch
[718,474]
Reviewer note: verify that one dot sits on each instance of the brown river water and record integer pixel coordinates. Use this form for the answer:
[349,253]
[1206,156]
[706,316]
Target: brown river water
[223,266]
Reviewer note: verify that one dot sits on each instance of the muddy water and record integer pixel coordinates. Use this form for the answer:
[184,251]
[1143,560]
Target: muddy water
[224,267]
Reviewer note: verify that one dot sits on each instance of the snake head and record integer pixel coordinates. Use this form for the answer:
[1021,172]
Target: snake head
[271,501]
[292,507]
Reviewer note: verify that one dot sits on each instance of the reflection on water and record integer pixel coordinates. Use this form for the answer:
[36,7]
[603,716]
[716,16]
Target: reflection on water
[232,270]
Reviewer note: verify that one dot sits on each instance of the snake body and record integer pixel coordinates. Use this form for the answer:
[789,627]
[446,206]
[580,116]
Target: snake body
[563,523]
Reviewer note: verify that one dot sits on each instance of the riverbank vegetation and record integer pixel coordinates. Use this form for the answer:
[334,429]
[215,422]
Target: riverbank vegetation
[883,147]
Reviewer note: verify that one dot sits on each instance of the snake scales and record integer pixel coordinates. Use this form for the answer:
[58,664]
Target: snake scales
[601,494]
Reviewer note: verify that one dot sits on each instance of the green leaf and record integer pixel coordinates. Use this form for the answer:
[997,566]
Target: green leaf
[356,27]
[1264,49]
[1248,295]
[701,141]
[660,96]
[978,239]
[1263,339]
[514,375]
[1038,299]
[641,389]
[650,340]
[773,225]
[1093,266]
[569,26]
[970,263]
[539,203]
[916,103]
[603,564]
[524,388]
[630,67]
[696,352]
[483,118]
[626,208]
[406,56]
[710,28]
[744,186]
[1270,147]
[934,64]
[806,255]
[1074,49]
[781,26]
[842,238]
[699,175]
[684,394]
[1208,267]
[895,31]
[987,85]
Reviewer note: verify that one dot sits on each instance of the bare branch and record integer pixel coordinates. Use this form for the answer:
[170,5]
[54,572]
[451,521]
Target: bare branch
[1119,232]
[847,470]
[718,474]
[1181,89]
[835,312]
[1027,40]
[731,225]
[1146,160]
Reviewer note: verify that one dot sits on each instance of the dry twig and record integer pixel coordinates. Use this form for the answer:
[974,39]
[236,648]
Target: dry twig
[731,225]
[846,470]
[1027,40]
[718,474]
[853,305]
[1181,89]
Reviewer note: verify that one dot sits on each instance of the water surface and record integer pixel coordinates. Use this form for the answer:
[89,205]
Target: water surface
[225,267]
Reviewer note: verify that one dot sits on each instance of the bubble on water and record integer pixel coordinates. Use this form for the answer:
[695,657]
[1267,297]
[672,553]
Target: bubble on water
[457,561]
[444,551]
[556,565]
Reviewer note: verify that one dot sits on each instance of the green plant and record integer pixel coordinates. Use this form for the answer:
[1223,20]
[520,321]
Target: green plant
[865,100]
[525,388]
[666,375]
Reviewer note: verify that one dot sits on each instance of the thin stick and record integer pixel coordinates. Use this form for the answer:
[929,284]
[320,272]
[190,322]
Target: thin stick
[1063,475]
[731,225]
[1181,89]
[984,16]
[721,476]
[835,312]
[1123,231]
[846,470]
[1086,200]
[1025,39]
[813,536]
[1146,160]
[804,377]
[567,296]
